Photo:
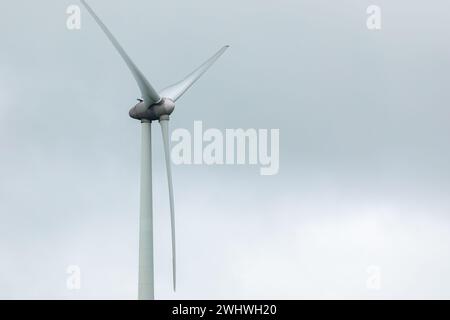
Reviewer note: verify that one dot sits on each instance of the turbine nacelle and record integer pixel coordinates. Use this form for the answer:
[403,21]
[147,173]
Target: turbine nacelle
[142,112]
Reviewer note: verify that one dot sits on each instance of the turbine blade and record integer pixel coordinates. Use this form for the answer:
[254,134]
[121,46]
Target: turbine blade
[175,91]
[149,94]
[164,122]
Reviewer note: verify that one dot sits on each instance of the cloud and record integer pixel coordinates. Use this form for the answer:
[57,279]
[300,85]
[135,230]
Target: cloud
[364,160]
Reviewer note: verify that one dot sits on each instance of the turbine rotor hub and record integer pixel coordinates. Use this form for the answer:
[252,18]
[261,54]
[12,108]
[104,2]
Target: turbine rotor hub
[163,108]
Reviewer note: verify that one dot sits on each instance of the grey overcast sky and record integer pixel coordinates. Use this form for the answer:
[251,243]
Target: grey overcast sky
[364,155]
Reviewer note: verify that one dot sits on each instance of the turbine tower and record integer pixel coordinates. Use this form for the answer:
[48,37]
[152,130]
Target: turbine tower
[151,107]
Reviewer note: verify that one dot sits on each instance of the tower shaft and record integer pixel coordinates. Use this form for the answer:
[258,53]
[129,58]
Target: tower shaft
[146,266]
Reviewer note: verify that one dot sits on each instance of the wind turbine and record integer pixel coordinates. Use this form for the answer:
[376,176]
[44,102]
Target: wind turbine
[151,107]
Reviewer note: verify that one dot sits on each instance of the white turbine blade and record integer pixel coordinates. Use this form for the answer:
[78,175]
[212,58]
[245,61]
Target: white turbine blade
[164,122]
[149,94]
[175,91]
